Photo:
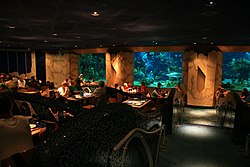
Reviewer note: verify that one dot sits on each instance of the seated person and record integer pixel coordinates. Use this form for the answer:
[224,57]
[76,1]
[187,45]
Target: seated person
[80,82]
[21,83]
[117,86]
[64,90]
[73,87]
[12,84]
[155,94]
[143,88]
[124,87]
[100,94]
[160,91]
[219,94]
[101,90]
[4,88]
[15,133]
[244,94]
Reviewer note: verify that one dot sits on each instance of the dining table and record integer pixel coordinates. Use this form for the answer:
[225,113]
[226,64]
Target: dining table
[141,104]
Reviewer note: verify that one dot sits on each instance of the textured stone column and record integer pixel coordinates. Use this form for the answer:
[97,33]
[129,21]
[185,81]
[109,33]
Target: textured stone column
[33,66]
[60,67]
[201,76]
[119,68]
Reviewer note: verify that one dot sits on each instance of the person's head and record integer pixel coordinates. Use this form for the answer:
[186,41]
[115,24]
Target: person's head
[21,78]
[101,83]
[142,83]
[74,83]
[159,84]
[5,106]
[64,84]
[116,85]
[130,84]
[81,75]
[244,90]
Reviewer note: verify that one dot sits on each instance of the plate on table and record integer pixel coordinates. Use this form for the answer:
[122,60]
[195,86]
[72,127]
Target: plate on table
[78,96]
[138,104]
[32,126]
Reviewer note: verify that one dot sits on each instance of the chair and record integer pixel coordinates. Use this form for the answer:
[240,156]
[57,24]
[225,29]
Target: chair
[119,98]
[22,159]
[247,142]
[91,103]
[112,100]
[102,100]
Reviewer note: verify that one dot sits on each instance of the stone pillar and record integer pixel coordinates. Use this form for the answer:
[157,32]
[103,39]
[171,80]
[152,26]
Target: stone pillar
[33,66]
[201,76]
[59,67]
[119,68]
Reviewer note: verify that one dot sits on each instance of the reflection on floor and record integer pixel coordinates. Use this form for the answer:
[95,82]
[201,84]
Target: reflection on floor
[198,141]
[200,116]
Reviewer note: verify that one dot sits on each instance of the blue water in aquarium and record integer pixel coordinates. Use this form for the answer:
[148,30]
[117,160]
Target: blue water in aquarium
[236,70]
[155,67]
[93,67]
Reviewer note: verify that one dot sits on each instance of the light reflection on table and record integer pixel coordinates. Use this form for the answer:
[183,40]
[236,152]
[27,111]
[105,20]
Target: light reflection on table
[137,102]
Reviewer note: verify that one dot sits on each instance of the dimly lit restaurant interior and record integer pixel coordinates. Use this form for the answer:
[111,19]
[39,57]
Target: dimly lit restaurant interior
[140,83]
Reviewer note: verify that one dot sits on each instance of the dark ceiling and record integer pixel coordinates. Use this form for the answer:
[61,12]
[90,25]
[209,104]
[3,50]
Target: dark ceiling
[33,23]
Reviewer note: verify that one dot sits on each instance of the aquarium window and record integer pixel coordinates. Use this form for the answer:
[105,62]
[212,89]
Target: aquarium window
[158,67]
[235,70]
[93,67]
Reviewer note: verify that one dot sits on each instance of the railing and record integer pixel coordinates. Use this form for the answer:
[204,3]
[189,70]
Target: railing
[139,134]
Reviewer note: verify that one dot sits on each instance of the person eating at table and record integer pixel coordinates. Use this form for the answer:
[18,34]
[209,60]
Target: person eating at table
[15,133]
[64,90]
[143,88]
[101,90]
[155,94]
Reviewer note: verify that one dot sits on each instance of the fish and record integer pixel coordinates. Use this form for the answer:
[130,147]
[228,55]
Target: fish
[174,75]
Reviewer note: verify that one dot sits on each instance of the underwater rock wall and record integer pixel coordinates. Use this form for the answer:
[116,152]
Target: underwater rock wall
[119,68]
[201,76]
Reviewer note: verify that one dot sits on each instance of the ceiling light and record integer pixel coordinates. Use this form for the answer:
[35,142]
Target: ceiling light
[55,34]
[100,45]
[95,14]
[11,27]
[212,43]
[77,37]
[194,43]
[113,45]
[1,41]
[75,46]
[204,38]
[211,3]
[45,41]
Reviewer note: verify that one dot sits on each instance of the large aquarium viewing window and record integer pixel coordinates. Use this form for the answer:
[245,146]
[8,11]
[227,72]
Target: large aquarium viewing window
[235,70]
[93,67]
[158,67]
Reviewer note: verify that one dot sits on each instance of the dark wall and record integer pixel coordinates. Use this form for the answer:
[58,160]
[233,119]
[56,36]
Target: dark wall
[40,65]
[15,61]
